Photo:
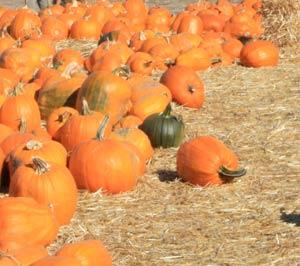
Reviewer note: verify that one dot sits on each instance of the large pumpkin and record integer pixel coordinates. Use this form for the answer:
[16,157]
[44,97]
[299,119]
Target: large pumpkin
[88,252]
[57,261]
[24,256]
[185,85]
[206,161]
[106,93]
[25,222]
[49,184]
[110,165]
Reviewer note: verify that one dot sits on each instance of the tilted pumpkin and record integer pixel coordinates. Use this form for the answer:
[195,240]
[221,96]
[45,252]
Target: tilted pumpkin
[88,252]
[207,161]
[163,129]
[111,165]
[25,222]
[49,184]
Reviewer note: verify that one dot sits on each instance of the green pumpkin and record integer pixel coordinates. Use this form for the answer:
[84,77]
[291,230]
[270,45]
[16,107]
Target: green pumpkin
[163,129]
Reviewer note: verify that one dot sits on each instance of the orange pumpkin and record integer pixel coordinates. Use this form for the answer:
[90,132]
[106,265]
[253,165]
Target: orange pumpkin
[66,56]
[25,222]
[85,29]
[5,131]
[121,161]
[129,121]
[232,47]
[57,119]
[108,62]
[259,53]
[205,161]
[190,23]
[6,42]
[57,261]
[185,41]
[185,85]
[54,28]
[8,80]
[88,252]
[24,256]
[49,184]
[142,63]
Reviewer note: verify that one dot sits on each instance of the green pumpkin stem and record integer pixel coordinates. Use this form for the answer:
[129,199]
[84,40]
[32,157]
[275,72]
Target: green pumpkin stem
[102,127]
[40,166]
[85,108]
[168,110]
[227,174]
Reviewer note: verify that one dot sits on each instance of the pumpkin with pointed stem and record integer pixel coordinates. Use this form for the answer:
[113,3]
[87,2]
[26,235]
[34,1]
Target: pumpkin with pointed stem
[49,150]
[66,56]
[22,256]
[88,252]
[25,222]
[259,53]
[185,85]
[108,62]
[57,261]
[20,107]
[111,165]
[163,129]
[49,184]
[81,127]
[207,161]
[142,63]
[57,119]
[8,80]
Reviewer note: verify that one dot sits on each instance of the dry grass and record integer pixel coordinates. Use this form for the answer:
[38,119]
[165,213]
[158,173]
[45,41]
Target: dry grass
[254,221]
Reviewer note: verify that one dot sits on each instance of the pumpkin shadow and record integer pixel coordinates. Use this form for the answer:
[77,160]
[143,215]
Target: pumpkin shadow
[291,218]
[167,175]
[4,179]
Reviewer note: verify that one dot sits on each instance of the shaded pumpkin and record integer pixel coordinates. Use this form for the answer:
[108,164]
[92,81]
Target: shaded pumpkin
[25,222]
[44,47]
[54,28]
[129,121]
[185,85]
[5,131]
[232,47]
[142,63]
[191,24]
[8,80]
[88,252]
[49,184]
[6,42]
[66,56]
[85,29]
[108,62]
[56,261]
[207,161]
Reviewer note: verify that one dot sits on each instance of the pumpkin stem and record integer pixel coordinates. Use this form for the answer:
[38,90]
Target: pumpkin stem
[85,108]
[6,255]
[143,36]
[70,69]
[40,166]
[227,175]
[216,61]
[101,129]
[123,71]
[23,125]
[33,145]
[167,110]
[63,117]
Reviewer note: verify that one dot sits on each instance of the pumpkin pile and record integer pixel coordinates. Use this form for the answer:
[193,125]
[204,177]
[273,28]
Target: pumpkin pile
[71,122]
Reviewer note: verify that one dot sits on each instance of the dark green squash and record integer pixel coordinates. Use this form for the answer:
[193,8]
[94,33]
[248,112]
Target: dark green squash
[163,129]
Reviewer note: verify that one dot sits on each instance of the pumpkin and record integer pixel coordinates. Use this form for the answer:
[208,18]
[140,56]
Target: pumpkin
[25,25]
[206,161]
[8,80]
[212,22]
[6,42]
[185,85]
[25,222]
[163,129]
[66,56]
[259,53]
[5,131]
[129,121]
[57,261]
[6,18]
[190,23]
[68,19]
[49,184]
[108,62]
[81,127]
[53,10]
[85,29]
[185,41]
[141,63]
[57,119]
[24,256]
[106,93]
[99,13]
[232,47]
[138,38]
[20,107]
[88,252]
[49,150]
[110,165]
[59,91]
[136,137]
[54,28]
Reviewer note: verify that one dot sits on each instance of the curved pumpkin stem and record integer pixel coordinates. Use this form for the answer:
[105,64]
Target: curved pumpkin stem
[101,129]
[85,108]
[228,175]
[168,110]
[63,117]
[122,71]
[33,145]
[23,125]
[40,166]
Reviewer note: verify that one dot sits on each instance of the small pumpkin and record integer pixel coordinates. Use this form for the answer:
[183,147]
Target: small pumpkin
[49,184]
[207,161]
[88,252]
[25,222]
[163,129]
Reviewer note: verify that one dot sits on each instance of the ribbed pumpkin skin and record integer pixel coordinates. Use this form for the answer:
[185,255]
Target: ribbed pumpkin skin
[57,261]
[88,252]
[55,186]
[58,92]
[25,222]
[163,130]
[20,107]
[24,255]
[105,93]
[49,150]
[107,165]
[5,131]
[200,159]
[2,158]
